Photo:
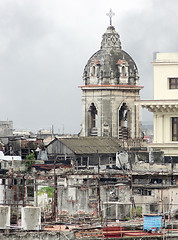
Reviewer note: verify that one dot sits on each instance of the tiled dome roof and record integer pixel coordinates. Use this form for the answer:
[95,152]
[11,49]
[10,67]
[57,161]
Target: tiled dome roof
[110,62]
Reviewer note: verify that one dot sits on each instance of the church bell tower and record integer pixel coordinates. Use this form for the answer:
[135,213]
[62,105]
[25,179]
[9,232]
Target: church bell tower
[109,91]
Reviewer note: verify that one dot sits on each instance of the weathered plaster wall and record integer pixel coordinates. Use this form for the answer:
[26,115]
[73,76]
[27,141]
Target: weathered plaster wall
[31,218]
[27,235]
[4,216]
[73,200]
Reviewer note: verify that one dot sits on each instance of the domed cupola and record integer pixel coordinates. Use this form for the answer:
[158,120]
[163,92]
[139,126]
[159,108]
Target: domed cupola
[110,65]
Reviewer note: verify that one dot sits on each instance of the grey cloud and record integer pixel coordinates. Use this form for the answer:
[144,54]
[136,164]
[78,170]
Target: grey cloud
[44,46]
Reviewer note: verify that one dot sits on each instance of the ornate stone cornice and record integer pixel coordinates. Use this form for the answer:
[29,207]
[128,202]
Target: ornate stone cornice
[122,87]
[159,105]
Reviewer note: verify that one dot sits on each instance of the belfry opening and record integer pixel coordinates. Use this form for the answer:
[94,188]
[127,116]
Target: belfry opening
[92,112]
[124,121]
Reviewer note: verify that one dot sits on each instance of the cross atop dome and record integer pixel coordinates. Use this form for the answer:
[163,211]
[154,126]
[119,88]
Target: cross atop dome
[110,14]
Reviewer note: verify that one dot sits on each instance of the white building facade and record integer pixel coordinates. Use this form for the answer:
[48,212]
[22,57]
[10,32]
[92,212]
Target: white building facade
[165,103]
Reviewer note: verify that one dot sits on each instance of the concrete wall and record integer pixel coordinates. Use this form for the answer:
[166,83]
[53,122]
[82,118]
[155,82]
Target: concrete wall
[77,196]
[36,235]
[4,216]
[114,210]
[160,201]
[31,218]
[172,196]
[73,200]
[43,201]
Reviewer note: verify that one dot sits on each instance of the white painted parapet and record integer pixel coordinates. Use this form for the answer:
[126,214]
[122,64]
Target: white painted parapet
[31,218]
[4,216]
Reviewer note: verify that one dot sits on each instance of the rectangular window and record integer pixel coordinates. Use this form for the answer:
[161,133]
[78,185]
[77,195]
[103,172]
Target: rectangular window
[85,161]
[173,83]
[30,189]
[175,129]
[154,208]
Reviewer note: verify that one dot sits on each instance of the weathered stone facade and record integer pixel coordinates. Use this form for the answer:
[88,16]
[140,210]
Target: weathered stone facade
[110,89]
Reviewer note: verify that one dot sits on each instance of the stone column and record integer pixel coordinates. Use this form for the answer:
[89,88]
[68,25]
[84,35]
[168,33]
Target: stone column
[160,128]
[83,130]
[167,128]
[155,127]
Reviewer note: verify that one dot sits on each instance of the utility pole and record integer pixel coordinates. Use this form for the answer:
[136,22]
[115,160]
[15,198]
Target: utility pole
[172,171]
[99,194]
[55,193]
[24,191]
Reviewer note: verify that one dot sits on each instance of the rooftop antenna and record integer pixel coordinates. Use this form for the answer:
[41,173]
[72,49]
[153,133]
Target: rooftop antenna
[110,14]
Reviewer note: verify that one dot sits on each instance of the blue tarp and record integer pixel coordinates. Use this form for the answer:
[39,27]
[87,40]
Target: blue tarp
[152,222]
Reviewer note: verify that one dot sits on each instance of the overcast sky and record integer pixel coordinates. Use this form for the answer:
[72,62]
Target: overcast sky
[45,44]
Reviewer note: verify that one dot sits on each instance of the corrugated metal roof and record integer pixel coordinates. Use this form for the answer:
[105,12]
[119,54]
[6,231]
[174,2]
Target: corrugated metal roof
[90,145]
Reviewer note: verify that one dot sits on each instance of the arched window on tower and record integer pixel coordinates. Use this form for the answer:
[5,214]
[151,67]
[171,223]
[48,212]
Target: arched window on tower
[123,71]
[93,70]
[92,120]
